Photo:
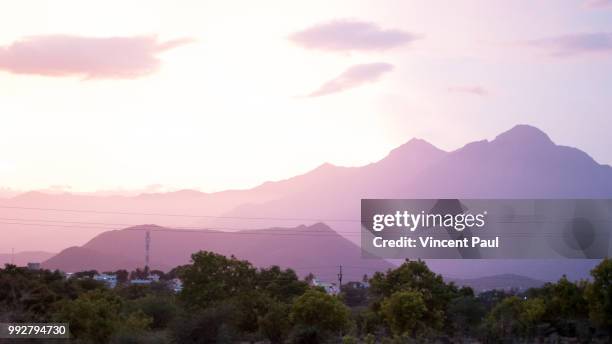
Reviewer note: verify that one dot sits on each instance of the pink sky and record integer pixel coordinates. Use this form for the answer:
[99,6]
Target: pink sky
[211,95]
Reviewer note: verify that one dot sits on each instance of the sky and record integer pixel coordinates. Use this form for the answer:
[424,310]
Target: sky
[214,95]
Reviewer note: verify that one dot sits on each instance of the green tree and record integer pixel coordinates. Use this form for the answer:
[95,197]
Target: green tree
[366,320]
[514,317]
[599,294]
[349,340]
[503,320]
[566,306]
[491,298]
[319,315]
[415,276]
[27,295]
[161,310]
[133,291]
[275,324]
[212,278]
[133,328]
[354,294]
[93,317]
[465,314]
[405,311]
[122,276]
[212,325]
[283,285]
[532,312]
[249,307]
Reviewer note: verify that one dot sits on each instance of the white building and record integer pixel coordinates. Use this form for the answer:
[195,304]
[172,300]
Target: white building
[110,280]
[330,288]
[144,281]
[140,281]
[176,285]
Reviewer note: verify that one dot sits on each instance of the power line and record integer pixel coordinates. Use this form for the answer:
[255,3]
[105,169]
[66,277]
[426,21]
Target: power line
[211,231]
[169,227]
[245,231]
[55,225]
[506,220]
[178,215]
[218,230]
[72,222]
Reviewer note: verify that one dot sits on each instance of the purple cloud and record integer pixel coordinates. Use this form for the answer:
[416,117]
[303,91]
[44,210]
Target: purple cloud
[351,35]
[91,58]
[469,89]
[354,76]
[576,44]
[598,3]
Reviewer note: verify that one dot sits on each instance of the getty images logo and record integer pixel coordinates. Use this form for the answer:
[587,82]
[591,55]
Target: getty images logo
[413,221]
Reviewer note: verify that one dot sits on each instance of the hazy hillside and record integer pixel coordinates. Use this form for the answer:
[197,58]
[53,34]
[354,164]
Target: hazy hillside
[75,259]
[23,258]
[520,163]
[499,282]
[317,249]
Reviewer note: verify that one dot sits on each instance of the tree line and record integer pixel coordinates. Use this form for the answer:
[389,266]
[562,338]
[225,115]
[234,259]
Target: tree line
[227,300]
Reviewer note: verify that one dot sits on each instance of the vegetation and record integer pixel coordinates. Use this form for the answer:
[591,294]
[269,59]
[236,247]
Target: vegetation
[227,300]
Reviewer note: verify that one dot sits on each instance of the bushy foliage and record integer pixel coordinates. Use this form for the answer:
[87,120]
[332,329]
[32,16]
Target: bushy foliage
[415,277]
[96,315]
[30,295]
[323,314]
[161,309]
[405,312]
[515,317]
[213,277]
[599,294]
[226,300]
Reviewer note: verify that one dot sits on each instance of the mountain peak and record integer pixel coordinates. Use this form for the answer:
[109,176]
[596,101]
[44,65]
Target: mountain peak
[524,133]
[326,166]
[416,146]
[320,227]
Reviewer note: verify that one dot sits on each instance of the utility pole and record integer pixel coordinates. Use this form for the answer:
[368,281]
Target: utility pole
[12,256]
[147,245]
[340,277]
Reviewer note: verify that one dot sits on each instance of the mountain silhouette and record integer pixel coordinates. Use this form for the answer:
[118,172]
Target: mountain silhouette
[307,249]
[74,259]
[499,282]
[522,162]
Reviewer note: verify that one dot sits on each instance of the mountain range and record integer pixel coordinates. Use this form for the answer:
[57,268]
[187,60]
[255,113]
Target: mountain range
[316,249]
[499,282]
[520,163]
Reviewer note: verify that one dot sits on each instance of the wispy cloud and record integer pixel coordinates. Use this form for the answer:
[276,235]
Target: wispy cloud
[575,44]
[469,89]
[351,35]
[354,76]
[598,3]
[88,57]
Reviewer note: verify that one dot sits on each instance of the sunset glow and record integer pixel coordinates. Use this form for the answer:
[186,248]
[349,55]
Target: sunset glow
[118,95]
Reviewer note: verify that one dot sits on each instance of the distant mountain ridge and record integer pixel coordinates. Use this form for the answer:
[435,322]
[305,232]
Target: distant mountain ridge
[317,249]
[520,163]
[499,282]
[23,258]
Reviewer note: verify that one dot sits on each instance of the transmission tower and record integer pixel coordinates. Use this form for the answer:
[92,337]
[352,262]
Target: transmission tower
[147,247]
